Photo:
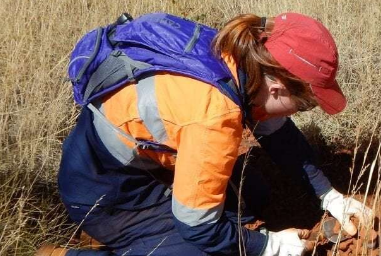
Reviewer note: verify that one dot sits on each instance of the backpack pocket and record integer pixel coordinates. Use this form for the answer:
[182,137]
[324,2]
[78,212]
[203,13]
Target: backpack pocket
[82,58]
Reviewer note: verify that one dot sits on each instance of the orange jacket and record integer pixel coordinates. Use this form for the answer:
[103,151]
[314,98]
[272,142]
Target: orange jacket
[197,120]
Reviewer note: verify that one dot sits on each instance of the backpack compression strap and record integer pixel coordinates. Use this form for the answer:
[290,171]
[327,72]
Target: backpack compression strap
[116,67]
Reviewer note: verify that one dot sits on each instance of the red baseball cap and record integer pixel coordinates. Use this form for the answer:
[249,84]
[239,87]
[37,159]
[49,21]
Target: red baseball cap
[305,48]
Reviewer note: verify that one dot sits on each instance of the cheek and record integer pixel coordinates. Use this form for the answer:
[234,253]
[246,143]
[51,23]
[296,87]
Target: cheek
[282,106]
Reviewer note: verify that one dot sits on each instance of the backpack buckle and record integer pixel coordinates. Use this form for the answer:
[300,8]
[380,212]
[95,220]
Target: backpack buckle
[116,53]
[125,17]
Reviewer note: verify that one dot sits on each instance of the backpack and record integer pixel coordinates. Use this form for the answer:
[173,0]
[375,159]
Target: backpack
[107,58]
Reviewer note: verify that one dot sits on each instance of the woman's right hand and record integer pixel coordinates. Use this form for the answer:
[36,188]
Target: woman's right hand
[285,243]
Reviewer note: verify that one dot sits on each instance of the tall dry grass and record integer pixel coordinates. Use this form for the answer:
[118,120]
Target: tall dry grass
[37,111]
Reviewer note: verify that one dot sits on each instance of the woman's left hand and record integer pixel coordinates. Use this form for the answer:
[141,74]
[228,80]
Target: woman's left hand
[344,208]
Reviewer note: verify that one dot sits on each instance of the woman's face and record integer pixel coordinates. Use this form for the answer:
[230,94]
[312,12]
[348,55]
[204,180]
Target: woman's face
[273,100]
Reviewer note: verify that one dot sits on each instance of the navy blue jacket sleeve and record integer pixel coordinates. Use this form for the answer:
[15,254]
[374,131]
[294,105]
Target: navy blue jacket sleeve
[289,149]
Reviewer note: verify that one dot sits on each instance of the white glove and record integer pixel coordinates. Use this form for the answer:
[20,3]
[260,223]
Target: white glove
[284,243]
[343,208]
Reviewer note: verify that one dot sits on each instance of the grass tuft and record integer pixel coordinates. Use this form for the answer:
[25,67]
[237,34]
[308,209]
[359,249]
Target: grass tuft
[37,110]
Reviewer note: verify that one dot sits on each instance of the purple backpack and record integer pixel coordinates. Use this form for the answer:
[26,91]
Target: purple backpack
[108,57]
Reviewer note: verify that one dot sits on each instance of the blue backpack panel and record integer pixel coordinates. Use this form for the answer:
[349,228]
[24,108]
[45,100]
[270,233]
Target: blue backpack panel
[108,57]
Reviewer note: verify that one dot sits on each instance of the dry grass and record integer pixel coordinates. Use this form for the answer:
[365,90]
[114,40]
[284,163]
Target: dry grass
[37,111]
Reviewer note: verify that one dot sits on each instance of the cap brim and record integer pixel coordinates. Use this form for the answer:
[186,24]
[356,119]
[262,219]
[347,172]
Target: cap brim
[330,98]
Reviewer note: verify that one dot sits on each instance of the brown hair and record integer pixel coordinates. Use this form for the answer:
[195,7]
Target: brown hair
[242,39]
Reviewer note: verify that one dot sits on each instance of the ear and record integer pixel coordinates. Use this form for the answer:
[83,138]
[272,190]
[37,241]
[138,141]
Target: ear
[275,88]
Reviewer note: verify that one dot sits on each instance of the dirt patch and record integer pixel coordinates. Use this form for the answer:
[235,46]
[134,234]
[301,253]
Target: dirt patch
[294,205]
[335,241]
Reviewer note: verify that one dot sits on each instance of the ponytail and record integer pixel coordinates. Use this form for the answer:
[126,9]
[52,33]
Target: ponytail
[243,39]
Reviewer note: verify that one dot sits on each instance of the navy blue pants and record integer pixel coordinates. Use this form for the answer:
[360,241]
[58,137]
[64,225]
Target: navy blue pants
[137,218]
[120,229]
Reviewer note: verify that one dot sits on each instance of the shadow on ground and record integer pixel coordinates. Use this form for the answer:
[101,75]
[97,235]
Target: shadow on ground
[291,205]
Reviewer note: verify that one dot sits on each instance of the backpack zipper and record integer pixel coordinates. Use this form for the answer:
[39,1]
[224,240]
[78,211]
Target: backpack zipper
[77,58]
[92,57]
